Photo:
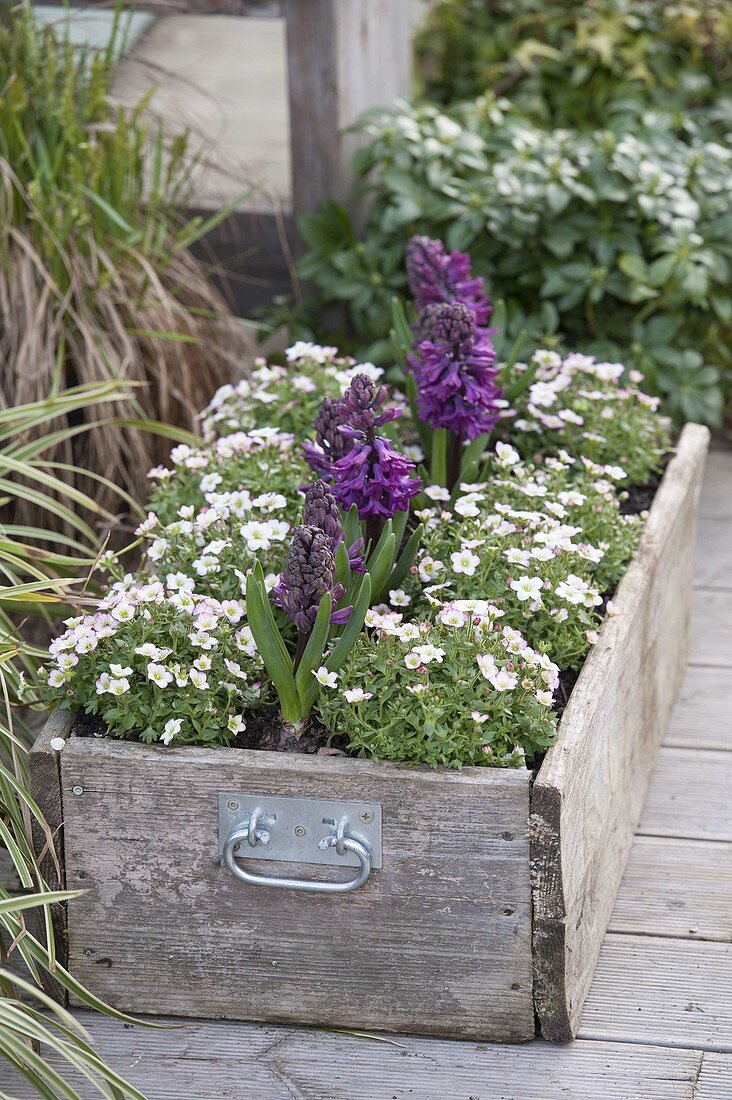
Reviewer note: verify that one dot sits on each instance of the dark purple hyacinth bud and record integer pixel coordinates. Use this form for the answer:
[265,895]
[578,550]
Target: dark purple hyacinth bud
[307,577]
[330,444]
[362,406]
[454,368]
[436,276]
[321,510]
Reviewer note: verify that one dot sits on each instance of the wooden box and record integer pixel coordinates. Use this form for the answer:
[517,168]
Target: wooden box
[496,886]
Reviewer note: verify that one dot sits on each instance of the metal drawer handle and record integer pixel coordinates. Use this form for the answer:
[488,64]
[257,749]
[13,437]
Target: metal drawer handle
[256,831]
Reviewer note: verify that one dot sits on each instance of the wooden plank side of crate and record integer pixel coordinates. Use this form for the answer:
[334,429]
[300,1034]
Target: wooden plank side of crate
[44,775]
[438,941]
[589,792]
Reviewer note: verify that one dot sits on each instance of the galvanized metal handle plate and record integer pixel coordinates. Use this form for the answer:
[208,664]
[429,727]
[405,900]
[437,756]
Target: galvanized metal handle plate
[299,830]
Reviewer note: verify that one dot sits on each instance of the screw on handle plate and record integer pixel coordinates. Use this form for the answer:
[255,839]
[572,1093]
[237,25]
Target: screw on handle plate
[257,831]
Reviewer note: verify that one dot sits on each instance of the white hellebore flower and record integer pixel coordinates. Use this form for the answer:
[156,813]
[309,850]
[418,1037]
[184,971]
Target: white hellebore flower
[170,729]
[327,679]
[527,588]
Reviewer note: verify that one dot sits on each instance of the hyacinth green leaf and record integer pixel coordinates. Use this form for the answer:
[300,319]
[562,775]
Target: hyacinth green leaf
[342,565]
[373,551]
[351,526]
[313,653]
[347,639]
[499,321]
[399,526]
[380,565]
[406,559]
[270,645]
[401,333]
[472,455]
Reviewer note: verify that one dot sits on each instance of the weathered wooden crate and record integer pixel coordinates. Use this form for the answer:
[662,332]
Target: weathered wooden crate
[495,889]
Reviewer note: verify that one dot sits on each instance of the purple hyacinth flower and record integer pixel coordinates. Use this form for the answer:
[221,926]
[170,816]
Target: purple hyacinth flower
[307,577]
[321,510]
[437,276]
[454,367]
[371,474]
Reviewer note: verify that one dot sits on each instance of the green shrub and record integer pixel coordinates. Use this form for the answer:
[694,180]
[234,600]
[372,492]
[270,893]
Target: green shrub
[617,244]
[575,64]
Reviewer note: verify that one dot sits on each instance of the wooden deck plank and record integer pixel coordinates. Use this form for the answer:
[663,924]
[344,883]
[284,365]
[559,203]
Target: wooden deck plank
[665,991]
[679,888]
[202,1060]
[701,719]
[715,1077]
[716,497]
[689,796]
[711,628]
[713,565]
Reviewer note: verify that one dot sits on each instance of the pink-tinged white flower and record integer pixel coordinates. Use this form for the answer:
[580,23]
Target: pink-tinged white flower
[171,729]
[245,641]
[514,639]
[516,556]
[233,610]
[429,570]
[617,473]
[203,663]
[118,686]
[57,678]
[236,724]
[545,698]
[412,660]
[575,590]
[201,640]
[416,689]
[399,598]
[478,717]
[467,506]
[543,394]
[305,351]
[102,683]
[120,670]
[407,632]
[592,636]
[465,562]
[506,455]
[181,676]
[123,612]
[159,675]
[487,664]
[152,652]
[503,680]
[429,653]
[357,695]
[270,502]
[527,588]
[206,620]
[157,549]
[452,616]
[257,535]
[325,678]
[541,553]
[208,482]
[611,609]
[235,669]
[183,601]
[547,359]
[67,661]
[572,498]
[198,679]
[437,492]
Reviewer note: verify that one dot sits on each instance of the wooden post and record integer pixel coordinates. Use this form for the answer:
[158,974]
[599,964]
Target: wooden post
[344,56]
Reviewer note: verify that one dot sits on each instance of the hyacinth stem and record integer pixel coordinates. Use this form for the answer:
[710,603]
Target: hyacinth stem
[302,641]
[438,469]
[374,527]
[455,461]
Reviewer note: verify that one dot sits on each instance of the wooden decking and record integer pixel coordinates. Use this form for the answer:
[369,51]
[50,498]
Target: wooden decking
[658,1021]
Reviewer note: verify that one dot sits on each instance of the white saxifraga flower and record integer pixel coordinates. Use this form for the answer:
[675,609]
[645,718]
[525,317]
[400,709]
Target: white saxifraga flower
[170,729]
[545,698]
[429,653]
[118,686]
[437,492]
[198,679]
[57,678]
[452,616]
[159,675]
[507,455]
[465,562]
[327,679]
[357,695]
[399,598]
[503,680]
[236,724]
[527,588]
